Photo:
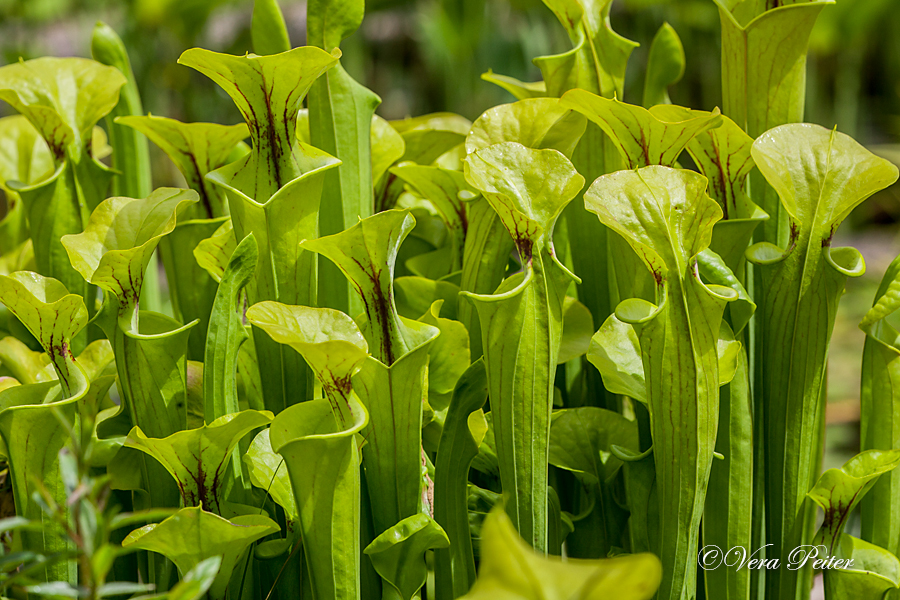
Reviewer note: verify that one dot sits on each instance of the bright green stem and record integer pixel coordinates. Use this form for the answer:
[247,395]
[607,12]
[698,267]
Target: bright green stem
[393,453]
[684,404]
[521,328]
[455,566]
[323,462]
[729,508]
[227,333]
[340,122]
[485,258]
[880,414]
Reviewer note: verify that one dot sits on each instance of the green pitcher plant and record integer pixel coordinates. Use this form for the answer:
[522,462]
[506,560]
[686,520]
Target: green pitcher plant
[573,347]
[820,176]
[519,359]
[274,191]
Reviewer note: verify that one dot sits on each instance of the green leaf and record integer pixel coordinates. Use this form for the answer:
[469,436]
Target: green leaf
[392,455]
[198,458]
[528,205]
[25,157]
[429,136]
[764,48]
[267,472]
[643,137]
[268,30]
[341,114]
[580,441]
[578,328]
[464,426]
[449,354]
[115,248]
[279,218]
[665,66]
[666,217]
[63,98]
[329,341]
[764,61]
[598,59]
[415,295]
[322,458]
[331,21]
[522,90]
[399,553]
[262,88]
[52,315]
[35,422]
[227,333]
[485,259]
[527,189]
[197,581]
[537,123]
[387,147]
[821,176]
[838,491]
[366,254]
[193,535]
[214,252]
[444,189]
[23,363]
[880,517]
[713,269]
[867,571]
[510,569]
[616,352]
[196,149]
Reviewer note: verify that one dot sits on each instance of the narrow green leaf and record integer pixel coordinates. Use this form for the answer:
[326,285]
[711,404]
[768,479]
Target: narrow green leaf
[455,566]
[665,66]
[227,334]
[880,520]
[268,30]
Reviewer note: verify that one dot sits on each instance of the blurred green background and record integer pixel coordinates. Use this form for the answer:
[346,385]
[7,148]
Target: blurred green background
[424,56]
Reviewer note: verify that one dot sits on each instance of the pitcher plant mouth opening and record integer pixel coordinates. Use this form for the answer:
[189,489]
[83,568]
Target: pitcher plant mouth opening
[574,346]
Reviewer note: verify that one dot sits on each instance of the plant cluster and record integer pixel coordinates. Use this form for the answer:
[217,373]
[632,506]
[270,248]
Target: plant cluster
[400,350]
